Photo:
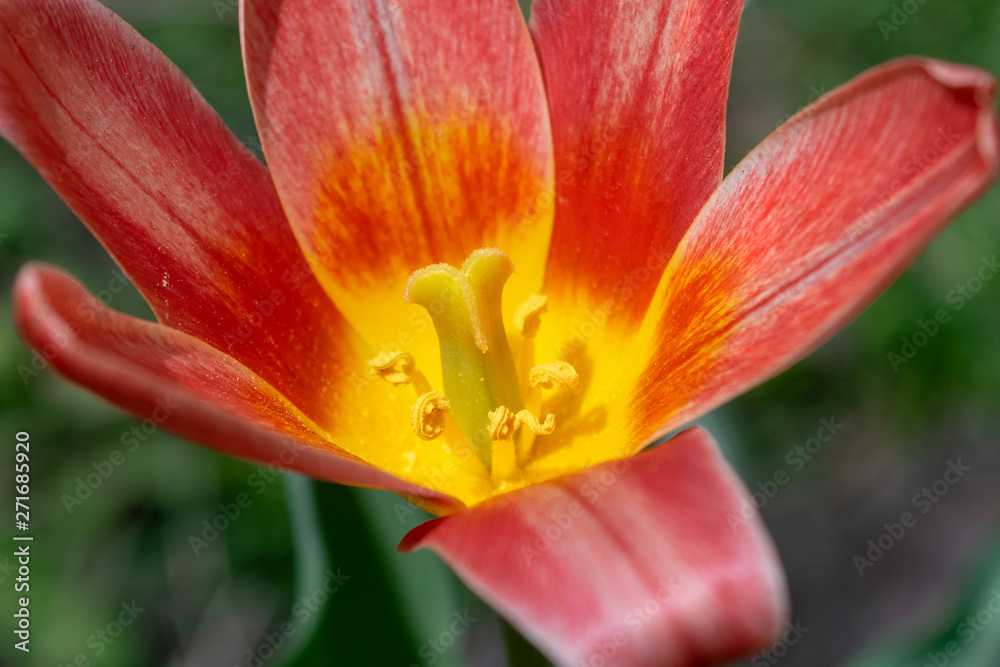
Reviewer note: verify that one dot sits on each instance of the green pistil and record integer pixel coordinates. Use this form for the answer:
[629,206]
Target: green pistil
[476,362]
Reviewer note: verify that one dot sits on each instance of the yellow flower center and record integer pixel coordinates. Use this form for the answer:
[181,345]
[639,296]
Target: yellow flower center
[490,403]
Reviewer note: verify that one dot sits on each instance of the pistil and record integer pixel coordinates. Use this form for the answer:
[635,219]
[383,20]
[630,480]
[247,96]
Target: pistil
[476,362]
[483,403]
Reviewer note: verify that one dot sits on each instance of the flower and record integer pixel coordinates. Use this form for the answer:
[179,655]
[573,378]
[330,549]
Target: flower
[438,171]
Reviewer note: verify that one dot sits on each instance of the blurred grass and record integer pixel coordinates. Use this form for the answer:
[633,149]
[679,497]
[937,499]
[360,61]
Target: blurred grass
[131,538]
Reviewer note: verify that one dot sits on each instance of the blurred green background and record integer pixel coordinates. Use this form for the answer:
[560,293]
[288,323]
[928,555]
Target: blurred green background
[224,601]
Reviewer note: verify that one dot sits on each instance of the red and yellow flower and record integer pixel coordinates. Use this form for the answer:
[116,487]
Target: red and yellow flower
[486,265]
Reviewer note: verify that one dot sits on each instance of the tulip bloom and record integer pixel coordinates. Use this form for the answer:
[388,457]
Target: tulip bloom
[486,265]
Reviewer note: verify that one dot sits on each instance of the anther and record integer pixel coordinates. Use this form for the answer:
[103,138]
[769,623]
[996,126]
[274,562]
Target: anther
[501,424]
[396,367]
[527,419]
[553,375]
[528,316]
[429,415]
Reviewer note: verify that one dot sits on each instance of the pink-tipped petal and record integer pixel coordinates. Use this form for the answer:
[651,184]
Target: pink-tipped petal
[183,385]
[658,560]
[637,94]
[811,227]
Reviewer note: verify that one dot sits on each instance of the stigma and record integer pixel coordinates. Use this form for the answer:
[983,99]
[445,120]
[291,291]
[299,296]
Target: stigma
[491,402]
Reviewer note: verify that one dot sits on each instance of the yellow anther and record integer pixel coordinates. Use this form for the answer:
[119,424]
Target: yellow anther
[525,418]
[555,374]
[396,367]
[528,316]
[502,425]
[429,415]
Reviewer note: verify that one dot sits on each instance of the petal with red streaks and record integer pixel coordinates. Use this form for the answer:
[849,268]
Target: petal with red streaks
[637,94]
[811,227]
[189,213]
[184,385]
[402,134]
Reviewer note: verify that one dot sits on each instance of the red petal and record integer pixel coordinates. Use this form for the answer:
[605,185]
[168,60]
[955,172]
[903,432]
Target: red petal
[400,135]
[811,227]
[637,94]
[181,205]
[182,384]
[650,558]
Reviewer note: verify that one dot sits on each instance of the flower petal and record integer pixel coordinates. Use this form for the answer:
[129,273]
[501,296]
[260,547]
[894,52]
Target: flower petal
[650,560]
[196,223]
[811,227]
[183,385]
[402,134]
[190,214]
[637,94]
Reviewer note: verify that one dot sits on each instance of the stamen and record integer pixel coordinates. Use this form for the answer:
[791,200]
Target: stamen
[528,317]
[555,374]
[504,461]
[486,392]
[525,418]
[429,415]
[501,424]
[396,367]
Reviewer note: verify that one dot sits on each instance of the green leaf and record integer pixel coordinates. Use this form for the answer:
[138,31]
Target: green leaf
[355,608]
[429,595]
